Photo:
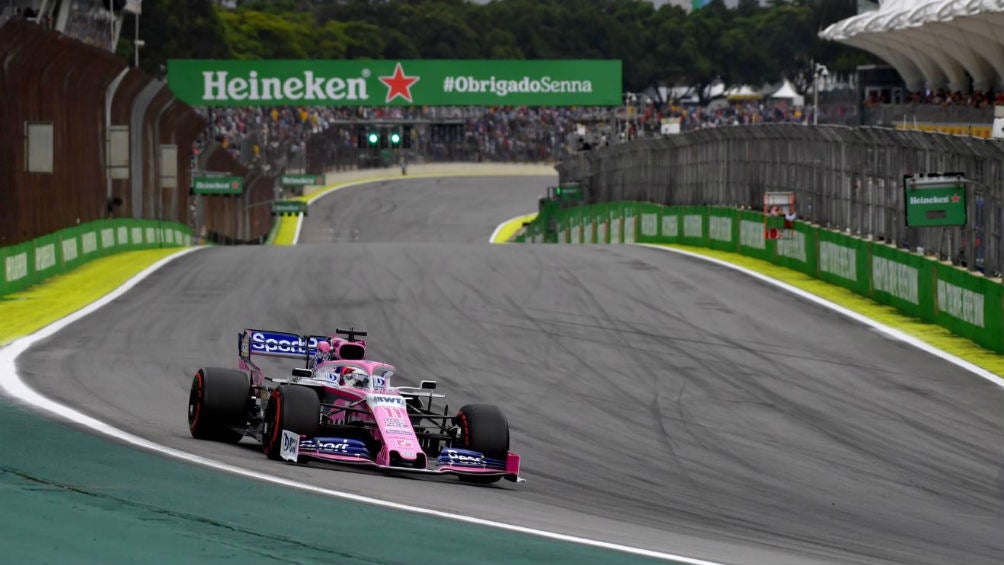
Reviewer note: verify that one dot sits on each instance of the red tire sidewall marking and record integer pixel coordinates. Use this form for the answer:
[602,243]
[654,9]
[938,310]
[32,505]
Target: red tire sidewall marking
[199,400]
[276,433]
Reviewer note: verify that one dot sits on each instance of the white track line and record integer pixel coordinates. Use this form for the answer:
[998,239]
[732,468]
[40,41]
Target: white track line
[11,383]
[889,331]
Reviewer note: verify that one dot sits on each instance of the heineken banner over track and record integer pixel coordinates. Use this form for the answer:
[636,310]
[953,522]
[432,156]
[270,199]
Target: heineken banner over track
[206,82]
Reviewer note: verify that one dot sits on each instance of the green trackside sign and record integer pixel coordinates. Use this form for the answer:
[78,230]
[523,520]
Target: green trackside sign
[207,82]
[935,200]
[570,191]
[284,207]
[217,185]
[301,180]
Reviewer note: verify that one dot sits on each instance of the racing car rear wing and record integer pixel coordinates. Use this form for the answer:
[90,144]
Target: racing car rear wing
[271,343]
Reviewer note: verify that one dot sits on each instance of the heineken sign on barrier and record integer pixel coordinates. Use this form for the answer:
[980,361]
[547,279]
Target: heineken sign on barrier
[935,199]
[284,207]
[217,185]
[301,180]
[569,191]
[207,82]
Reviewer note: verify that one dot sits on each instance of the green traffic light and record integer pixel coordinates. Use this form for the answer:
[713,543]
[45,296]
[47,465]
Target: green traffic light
[373,138]
[395,138]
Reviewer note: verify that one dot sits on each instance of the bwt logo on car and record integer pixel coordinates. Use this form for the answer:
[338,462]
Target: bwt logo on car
[380,400]
[262,342]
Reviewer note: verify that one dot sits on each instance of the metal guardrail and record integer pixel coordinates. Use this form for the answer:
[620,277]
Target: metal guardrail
[846,179]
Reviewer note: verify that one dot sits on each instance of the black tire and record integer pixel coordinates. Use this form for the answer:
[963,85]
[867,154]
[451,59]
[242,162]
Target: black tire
[483,428]
[218,404]
[291,407]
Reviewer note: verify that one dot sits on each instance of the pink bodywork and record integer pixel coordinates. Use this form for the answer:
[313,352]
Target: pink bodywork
[388,409]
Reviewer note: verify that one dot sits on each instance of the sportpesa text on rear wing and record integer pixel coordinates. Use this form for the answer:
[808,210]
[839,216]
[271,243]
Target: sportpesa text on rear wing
[276,344]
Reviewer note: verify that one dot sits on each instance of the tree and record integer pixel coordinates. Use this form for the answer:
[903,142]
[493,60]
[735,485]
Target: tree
[440,30]
[252,34]
[751,43]
[180,29]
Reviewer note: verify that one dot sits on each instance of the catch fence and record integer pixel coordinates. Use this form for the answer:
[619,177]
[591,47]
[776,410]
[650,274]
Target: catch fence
[845,179]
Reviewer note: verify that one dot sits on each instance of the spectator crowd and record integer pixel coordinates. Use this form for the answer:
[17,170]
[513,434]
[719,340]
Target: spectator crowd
[504,133]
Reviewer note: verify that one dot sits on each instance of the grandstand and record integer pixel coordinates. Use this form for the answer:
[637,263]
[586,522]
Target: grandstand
[954,45]
[949,55]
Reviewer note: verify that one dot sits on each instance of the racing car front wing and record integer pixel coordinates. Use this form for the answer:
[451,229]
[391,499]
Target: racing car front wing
[297,448]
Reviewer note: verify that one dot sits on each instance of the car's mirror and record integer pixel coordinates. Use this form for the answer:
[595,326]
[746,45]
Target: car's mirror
[428,385]
[299,372]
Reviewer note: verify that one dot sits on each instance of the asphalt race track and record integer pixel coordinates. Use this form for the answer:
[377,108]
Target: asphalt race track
[657,400]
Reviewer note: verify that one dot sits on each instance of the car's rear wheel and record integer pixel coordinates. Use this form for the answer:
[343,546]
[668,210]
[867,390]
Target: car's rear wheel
[483,428]
[218,404]
[290,407]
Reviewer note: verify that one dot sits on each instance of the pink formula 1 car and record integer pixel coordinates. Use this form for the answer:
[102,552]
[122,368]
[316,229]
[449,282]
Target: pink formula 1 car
[342,408]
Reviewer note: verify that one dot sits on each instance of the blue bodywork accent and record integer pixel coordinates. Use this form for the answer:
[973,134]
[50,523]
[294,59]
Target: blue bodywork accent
[278,344]
[336,446]
[468,458]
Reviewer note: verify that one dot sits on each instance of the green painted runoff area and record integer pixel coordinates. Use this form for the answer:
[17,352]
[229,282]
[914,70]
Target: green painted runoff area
[70,497]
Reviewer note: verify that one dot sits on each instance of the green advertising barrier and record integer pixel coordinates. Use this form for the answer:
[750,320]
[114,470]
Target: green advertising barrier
[561,219]
[545,221]
[359,82]
[670,225]
[799,251]
[588,216]
[575,225]
[843,261]
[902,280]
[749,233]
[18,273]
[601,221]
[71,248]
[968,305]
[615,223]
[629,211]
[29,263]
[46,257]
[694,225]
[721,229]
[649,219]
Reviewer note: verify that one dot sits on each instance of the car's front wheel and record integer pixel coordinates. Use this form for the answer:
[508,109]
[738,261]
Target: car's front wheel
[483,428]
[290,407]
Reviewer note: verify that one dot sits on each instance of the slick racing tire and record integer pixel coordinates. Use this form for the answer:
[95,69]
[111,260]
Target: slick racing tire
[291,407]
[218,404]
[483,428]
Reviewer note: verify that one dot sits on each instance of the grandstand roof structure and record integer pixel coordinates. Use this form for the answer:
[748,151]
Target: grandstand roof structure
[933,44]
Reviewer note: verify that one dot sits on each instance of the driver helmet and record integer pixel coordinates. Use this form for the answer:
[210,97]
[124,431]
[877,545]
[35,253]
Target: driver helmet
[354,376]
